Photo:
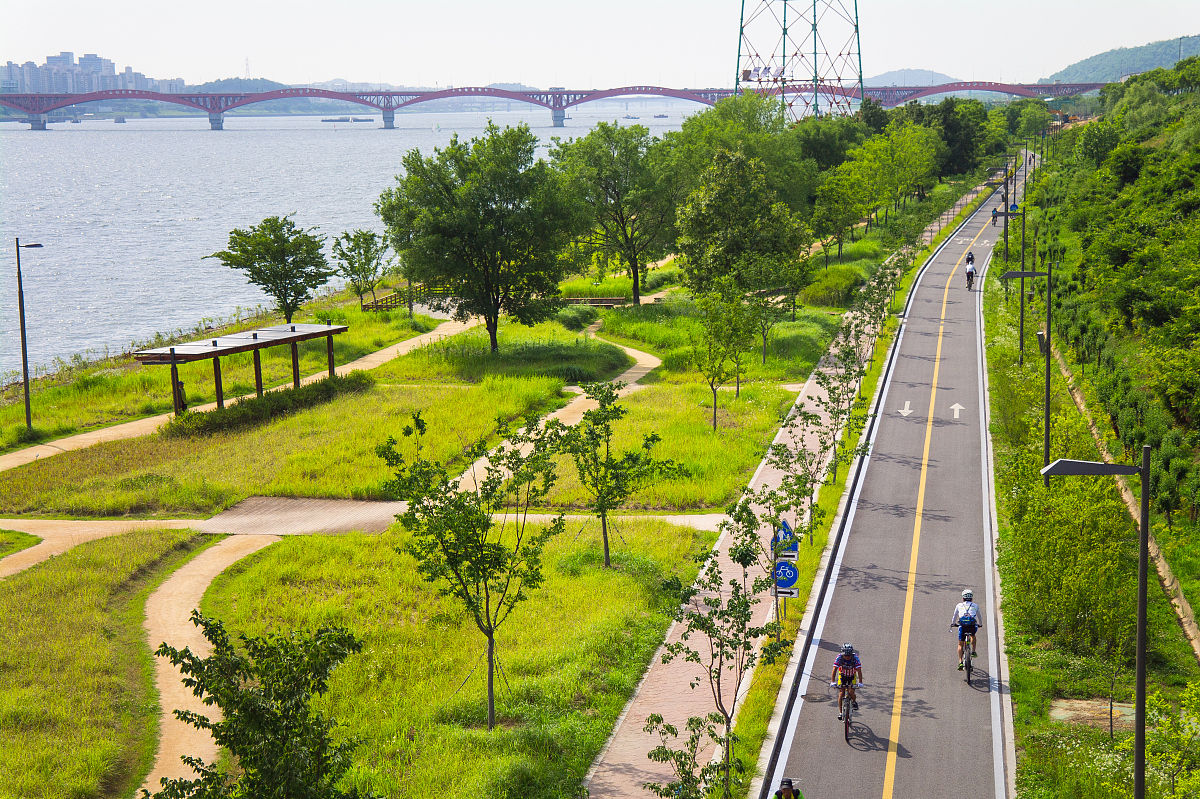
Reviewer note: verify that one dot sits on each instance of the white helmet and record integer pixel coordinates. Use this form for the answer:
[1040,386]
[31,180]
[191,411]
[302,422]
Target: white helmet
[967,595]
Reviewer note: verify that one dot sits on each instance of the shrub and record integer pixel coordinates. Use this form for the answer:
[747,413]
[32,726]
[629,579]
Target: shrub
[256,410]
[577,317]
[833,287]
[657,278]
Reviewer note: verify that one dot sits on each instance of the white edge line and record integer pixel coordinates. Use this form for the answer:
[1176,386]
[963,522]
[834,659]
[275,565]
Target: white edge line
[986,486]
[790,728]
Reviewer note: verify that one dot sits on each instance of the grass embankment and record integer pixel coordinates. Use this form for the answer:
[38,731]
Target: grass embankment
[327,451]
[14,541]
[78,714]
[110,392]
[720,463]
[416,696]
[547,350]
[1068,565]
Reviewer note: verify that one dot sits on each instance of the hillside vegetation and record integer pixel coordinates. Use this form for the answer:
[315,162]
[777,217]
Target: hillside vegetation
[1116,64]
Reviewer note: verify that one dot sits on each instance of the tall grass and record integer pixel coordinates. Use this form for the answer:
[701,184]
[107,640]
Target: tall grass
[620,285]
[119,390]
[78,714]
[328,451]
[416,698]
[720,463]
[547,350]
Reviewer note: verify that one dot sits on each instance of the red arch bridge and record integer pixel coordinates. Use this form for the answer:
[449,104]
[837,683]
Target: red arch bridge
[38,106]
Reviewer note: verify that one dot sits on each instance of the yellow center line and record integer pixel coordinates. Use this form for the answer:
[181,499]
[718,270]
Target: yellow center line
[889,774]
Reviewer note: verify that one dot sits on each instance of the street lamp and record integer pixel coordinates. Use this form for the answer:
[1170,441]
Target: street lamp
[21,316]
[1067,468]
[1043,344]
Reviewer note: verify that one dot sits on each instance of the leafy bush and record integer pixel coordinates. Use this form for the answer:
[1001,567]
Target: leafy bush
[833,287]
[665,276]
[256,410]
[577,317]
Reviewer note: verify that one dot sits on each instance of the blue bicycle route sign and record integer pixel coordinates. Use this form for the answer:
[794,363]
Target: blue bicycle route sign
[786,575]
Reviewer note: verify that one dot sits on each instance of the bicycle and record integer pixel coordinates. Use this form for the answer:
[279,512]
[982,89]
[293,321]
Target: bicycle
[966,656]
[970,280]
[847,705]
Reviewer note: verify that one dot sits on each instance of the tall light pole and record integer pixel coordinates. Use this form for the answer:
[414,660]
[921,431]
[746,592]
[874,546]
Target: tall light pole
[1066,468]
[21,316]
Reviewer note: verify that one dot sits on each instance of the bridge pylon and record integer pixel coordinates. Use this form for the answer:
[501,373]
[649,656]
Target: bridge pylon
[216,120]
[805,52]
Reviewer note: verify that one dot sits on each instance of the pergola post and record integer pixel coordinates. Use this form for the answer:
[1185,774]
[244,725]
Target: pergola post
[329,348]
[217,381]
[295,366]
[257,371]
[174,383]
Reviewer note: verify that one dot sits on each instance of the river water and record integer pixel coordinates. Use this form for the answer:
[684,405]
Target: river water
[126,213]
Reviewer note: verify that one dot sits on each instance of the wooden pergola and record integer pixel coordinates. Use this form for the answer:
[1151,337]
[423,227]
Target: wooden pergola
[245,341]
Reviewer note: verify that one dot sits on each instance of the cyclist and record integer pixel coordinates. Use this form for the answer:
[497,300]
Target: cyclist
[967,617]
[846,667]
[970,270]
[786,791]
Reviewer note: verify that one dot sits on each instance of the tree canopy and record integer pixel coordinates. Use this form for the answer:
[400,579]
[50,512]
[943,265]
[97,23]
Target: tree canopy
[486,220]
[281,259]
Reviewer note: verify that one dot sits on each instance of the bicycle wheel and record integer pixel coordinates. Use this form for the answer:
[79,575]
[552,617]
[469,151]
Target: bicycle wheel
[967,662]
[849,712]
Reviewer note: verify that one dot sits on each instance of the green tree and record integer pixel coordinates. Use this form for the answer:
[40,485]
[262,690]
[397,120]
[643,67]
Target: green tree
[282,747]
[726,328]
[486,221]
[281,259]
[733,222]
[690,778]
[361,255]
[472,538]
[610,169]
[840,203]
[609,479]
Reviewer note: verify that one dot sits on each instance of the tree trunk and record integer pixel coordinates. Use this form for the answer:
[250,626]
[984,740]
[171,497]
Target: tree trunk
[635,272]
[491,680]
[604,535]
[765,334]
[493,327]
[714,391]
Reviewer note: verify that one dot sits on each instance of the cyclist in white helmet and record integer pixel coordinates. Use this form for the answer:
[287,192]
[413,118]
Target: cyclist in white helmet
[969,620]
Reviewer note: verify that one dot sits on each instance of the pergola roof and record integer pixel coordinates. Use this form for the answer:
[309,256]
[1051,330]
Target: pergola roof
[245,341]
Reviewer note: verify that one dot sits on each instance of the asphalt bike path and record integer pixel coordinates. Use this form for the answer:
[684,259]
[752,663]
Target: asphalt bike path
[919,535]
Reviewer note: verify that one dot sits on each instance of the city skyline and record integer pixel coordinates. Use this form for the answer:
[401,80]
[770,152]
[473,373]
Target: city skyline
[539,44]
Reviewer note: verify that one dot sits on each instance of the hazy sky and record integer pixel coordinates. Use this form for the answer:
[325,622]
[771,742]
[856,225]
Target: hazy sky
[541,43]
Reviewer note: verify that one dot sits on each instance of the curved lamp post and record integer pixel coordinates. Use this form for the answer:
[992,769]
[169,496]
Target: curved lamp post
[1066,468]
[21,315]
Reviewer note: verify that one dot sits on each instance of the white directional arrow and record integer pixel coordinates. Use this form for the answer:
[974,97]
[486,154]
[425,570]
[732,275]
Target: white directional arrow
[987,242]
[956,408]
[906,410]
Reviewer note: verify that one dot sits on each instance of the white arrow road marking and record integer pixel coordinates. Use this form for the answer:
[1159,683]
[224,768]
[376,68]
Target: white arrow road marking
[956,408]
[907,410]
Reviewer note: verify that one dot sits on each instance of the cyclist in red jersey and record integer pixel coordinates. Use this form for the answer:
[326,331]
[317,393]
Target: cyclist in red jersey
[846,667]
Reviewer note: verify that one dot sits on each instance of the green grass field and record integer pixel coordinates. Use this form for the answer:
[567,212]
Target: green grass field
[547,350]
[416,696]
[78,713]
[112,392]
[328,451]
[720,463]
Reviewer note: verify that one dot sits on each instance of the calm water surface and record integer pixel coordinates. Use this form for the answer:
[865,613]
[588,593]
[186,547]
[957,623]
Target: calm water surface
[126,213]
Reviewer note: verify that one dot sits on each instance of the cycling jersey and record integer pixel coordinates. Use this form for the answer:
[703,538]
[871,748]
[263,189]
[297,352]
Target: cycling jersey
[967,617]
[847,666]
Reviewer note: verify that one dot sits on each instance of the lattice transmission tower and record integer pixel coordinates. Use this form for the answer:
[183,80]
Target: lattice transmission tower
[806,52]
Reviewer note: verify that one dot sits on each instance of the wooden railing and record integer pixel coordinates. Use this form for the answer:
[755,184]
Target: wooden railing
[400,299]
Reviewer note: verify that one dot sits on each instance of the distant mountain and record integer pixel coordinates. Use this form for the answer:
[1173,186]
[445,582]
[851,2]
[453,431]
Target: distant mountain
[238,85]
[1116,64]
[909,77]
